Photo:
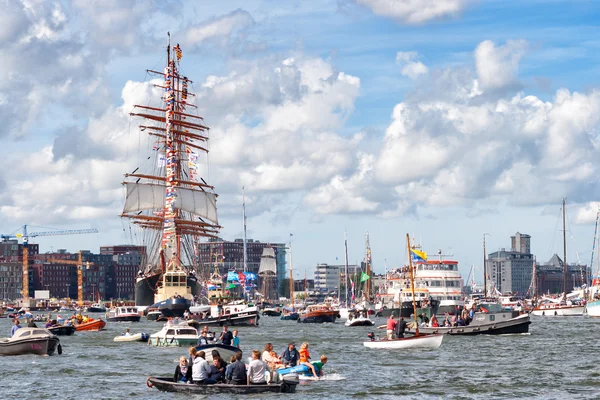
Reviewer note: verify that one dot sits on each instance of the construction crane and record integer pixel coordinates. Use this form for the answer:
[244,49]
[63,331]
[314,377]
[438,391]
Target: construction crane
[80,265]
[25,236]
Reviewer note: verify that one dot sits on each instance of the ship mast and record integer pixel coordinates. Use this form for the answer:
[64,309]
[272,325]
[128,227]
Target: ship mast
[566,266]
[368,267]
[412,285]
[245,240]
[346,267]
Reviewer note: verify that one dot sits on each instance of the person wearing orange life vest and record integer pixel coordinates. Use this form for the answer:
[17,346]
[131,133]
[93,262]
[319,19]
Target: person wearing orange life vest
[304,357]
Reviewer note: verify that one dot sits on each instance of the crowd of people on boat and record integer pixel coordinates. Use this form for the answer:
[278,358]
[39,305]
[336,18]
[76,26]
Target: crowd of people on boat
[261,367]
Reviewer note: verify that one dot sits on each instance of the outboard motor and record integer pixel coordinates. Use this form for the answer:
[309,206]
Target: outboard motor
[371,336]
[289,383]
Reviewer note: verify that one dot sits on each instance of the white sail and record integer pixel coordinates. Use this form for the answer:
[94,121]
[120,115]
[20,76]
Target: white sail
[147,196]
[268,263]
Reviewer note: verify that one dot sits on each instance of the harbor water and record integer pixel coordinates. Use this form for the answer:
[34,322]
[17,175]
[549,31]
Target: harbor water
[557,360]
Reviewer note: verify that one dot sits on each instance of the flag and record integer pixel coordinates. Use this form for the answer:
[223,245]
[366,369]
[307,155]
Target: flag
[418,255]
[364,277]
[352,285]
[232,276]
[250,276]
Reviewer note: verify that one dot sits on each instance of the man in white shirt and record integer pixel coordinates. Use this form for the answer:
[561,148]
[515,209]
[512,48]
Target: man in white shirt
[256,370]
[200,369]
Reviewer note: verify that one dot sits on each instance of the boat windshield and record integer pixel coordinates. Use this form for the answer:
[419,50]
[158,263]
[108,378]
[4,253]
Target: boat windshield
[490,307]
[188,332]
[25,333]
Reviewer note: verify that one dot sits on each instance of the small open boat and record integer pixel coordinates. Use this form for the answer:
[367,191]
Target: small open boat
[287,385]
[224,351]
[30,341]
[422,341]
[138,337]
[293,316]
[92,325]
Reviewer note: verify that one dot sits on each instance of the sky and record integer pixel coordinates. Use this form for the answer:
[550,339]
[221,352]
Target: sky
[446,120]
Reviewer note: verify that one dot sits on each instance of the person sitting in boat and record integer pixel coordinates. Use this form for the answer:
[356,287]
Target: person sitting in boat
[447,323]
[290,356]
[127,332]
[49,323]
[460,321]
[218,368]
[256,370]
[236,339]
[31,323]
[226,336]
[202,339]
[434,323]
[424,319]
[183,372]
[200,368]
[319,364]
[305,356]
[235,373]
[85,319]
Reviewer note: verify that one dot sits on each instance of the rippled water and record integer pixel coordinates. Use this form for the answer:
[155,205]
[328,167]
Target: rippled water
[558,360]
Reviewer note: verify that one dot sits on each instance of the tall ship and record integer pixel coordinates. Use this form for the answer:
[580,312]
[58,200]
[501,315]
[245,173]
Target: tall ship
[166,198]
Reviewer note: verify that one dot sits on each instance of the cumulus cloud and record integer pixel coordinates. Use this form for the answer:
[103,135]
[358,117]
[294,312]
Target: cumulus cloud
[497,66]
[410,64]
[414,11]
[219,28]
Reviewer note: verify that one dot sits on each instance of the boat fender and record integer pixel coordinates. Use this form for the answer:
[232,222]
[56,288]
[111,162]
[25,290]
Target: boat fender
[555,313]
[149,384]
[59,349]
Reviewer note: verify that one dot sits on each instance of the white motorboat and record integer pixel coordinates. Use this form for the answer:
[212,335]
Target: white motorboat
[199,308]
[561,310]
[123,314]
[359,321]
[30,341]
[175,335]
[411,342]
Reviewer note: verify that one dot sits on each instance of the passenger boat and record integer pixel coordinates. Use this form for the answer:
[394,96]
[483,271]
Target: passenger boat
[236,313]
[175,335]
[91,325]
[318,313]
[271,312]
[96,308]
[548,308]
[153,314]
[30,341]
[123,314]
[136,337]
[287,385]
[489,319]
[62,330]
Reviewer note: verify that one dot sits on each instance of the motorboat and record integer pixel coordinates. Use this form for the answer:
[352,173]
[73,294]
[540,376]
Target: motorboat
[171,334]
[199,308]
[318,313]
[549,308]
[30,341]
[289,316]
[287,384]
[236,313]
[271,311]
[489,319]
[62,330]
[91,325]
[361,320]
[224,351]
[136,337]
[123,314]
[421,341]
[153,314]
[96,308]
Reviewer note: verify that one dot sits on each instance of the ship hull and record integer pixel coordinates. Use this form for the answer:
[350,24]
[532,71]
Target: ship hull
[173,307]
[145,289]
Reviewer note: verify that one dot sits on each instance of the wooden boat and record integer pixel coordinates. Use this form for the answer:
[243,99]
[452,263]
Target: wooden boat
[92,325]
[287,385]
[244,316]
[123,314]
[318,313]
[30,341]
[422,341]
[137,337]
[62,330]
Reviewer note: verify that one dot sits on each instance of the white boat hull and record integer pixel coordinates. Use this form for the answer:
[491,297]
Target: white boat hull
[138,337]
[567,311]
[593,308]
[360,321]
[411,342]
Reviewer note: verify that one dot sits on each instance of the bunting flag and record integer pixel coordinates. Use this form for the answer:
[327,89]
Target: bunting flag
[352,286]
[418,255]
[232,276]
[250,276]
[178,52]
[364,277]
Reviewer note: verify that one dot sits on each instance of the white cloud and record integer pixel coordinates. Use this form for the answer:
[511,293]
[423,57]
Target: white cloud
[497,67]
[410,64]
[220,27]
[414,11]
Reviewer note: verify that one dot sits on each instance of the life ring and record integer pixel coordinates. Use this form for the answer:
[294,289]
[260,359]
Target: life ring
[149,384]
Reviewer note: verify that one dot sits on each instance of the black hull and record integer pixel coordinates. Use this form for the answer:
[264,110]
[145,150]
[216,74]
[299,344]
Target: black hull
[96,310]
[62,330]
[131,318]
[250,319]
[145,289]
[167,385]
[317,320]
[270,313]
[510,327]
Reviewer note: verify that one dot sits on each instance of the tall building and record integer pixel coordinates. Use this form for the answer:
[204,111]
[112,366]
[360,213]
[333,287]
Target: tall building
[511,271]
[11,269]
[229,256]
[329,278]
[551,276]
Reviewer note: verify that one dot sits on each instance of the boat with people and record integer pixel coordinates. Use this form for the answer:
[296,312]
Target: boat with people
[287,384]
[91,325]
[62,330]
[123,314]
[30,341]
[96,308]
[235,313]
[318,313]
[489,319]
[359,319]
[153,314]
[172,334]
[289,316]
[271,311]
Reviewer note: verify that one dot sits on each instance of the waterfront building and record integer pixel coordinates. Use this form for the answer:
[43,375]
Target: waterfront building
[511,271]
[329,278]
[11,268]
[550,276]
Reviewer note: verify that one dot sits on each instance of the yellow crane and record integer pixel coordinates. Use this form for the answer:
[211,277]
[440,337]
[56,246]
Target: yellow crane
[25,236]
[80,265]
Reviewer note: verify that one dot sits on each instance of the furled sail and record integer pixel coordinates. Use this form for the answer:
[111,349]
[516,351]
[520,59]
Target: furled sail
[268,264]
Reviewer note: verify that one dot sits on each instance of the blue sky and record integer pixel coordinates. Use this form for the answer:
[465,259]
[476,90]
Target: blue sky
[446,120]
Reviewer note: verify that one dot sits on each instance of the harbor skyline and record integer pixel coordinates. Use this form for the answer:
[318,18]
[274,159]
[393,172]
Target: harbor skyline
[446,123]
